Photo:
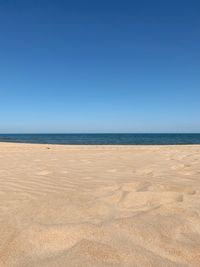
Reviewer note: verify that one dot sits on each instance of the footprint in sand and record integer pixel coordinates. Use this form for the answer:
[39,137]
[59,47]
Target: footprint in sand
[117,196]
[136,186]
[140,199]
[136,199]
[172,188]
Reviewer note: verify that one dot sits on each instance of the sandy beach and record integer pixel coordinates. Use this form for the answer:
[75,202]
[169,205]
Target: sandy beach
[99,206]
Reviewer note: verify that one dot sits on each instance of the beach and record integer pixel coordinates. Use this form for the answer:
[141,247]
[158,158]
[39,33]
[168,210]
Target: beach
[99,206]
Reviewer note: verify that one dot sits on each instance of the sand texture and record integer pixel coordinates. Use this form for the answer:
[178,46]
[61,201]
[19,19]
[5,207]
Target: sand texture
[99,206]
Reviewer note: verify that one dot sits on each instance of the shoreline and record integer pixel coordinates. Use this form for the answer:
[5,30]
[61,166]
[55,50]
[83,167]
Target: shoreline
[100,145]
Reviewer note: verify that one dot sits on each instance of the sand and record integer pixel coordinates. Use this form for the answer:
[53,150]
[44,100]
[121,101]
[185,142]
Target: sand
[99,206]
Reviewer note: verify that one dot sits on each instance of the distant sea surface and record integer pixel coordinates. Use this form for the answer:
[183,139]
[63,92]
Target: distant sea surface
[103,139]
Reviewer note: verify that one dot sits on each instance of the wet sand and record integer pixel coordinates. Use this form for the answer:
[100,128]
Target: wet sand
[99,206]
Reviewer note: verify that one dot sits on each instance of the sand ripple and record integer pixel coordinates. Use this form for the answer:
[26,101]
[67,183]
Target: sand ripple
[99,206]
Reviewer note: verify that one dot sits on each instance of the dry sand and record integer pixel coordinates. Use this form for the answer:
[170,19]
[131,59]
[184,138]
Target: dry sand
[99,206]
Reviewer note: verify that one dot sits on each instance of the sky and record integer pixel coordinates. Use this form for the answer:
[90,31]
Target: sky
[99,66]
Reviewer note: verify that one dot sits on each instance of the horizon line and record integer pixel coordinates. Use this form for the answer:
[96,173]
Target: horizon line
[102,133]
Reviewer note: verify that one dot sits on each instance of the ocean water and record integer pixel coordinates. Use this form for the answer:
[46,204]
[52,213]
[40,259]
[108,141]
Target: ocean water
[103,139]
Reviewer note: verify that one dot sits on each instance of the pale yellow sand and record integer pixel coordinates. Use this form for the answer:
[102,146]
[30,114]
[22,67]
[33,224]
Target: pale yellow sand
[136,206]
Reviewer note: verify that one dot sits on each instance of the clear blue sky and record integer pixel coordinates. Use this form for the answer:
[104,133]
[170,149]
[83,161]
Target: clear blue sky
[99,66]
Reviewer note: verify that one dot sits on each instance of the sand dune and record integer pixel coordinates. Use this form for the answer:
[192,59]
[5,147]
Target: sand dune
[135,206]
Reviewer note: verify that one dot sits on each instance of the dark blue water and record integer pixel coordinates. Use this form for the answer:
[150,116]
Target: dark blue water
[103,139]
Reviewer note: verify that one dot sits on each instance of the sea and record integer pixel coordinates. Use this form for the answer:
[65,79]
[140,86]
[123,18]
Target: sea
[105,138]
